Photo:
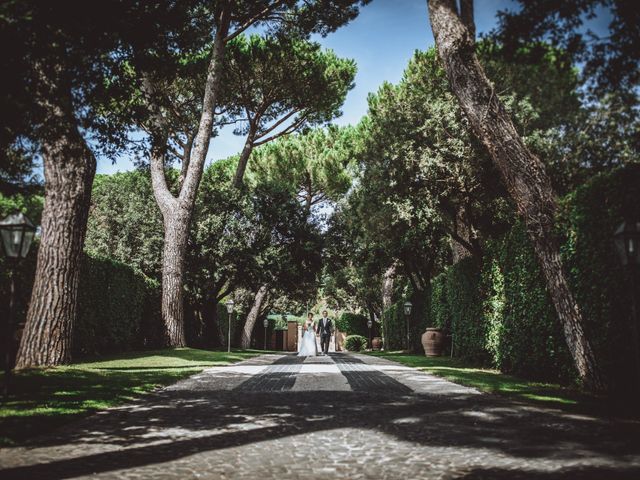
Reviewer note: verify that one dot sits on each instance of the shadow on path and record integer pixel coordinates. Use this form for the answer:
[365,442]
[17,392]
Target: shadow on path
[211,420]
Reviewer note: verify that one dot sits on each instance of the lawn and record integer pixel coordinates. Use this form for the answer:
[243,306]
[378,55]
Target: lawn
[43,399]
[492,381]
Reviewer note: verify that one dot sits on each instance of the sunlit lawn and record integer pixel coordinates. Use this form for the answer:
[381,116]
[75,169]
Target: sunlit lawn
[43,399]
[492,381]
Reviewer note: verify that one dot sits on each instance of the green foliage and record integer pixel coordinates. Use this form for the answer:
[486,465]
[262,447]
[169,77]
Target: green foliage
[464,304]
[500,313]
[353,324]
[118,307]
[439,314]
[588,217]
[112,303]
[125,223]
[355,343]
[394,327]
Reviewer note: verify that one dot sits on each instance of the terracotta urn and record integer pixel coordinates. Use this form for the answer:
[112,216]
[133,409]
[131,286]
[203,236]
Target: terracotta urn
[376,343]
[433,342]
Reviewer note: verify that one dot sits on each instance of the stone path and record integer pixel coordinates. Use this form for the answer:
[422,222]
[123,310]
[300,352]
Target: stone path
[341,416]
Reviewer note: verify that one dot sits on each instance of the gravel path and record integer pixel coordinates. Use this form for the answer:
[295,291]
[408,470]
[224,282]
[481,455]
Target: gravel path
[339,416]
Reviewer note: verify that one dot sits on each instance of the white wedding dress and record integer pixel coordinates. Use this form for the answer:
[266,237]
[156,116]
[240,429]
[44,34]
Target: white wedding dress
[308,345]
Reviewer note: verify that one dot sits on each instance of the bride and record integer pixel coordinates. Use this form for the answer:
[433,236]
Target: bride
[308,345]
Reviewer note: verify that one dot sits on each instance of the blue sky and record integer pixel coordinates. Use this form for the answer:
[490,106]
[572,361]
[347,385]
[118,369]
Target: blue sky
[381,40]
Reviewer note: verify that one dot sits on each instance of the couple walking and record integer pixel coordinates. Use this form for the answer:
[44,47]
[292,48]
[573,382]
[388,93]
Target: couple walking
[308,345]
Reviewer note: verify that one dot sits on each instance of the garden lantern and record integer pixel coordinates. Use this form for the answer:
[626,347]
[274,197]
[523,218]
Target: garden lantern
[17,233]
[369,324]
[266,325]
[407,307]
[627,242]
[407,313]
[230,304]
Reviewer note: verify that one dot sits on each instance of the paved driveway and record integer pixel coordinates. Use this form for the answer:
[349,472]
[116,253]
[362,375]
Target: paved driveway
[341,416]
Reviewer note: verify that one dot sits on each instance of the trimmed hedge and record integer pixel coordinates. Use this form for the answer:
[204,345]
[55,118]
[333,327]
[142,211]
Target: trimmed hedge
[498,309]
[113,300]
[355,343]
[118,307]
[353,324]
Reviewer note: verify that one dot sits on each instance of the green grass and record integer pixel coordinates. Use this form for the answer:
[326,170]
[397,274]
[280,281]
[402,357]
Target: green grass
[43,399]
[492,381]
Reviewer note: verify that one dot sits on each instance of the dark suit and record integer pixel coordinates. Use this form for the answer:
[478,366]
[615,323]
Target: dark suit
[325,330]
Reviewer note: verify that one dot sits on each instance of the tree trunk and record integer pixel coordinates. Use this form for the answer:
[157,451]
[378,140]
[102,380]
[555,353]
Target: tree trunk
[69,168]
[176,229]
[462,239]
[254,313]
[387,296]
[387,286]
[177,211]
[522,172]
[244,158]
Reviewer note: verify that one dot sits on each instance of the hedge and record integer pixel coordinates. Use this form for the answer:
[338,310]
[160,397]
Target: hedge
[118,307]
[353,324]
[498,310]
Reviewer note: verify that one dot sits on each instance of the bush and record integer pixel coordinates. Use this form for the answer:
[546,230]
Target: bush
[355,343]
[353,324]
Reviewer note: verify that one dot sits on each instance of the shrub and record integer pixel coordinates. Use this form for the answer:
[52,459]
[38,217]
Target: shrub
[355,343]
[353,324]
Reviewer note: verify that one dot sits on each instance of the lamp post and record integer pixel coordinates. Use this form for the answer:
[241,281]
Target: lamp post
[266,324]
[407,313]
[627,242]
[230,304]
[370,324]
[17,233]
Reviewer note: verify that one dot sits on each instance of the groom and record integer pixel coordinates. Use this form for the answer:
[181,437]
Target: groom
[325,329]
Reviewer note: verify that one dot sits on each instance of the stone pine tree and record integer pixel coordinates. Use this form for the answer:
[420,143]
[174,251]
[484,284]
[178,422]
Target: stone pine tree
[59,57]
[230,19]
[277,86]
[523,173]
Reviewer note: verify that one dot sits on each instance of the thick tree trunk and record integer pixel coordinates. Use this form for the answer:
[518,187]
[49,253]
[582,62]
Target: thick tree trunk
[69,168]
[522,172]
[176,229]
[254,313]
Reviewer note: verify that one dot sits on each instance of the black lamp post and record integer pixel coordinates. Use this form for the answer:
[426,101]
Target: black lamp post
[17,233]
[230,304]
[627,242]
[370,324]
[266,325]
[407,313]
